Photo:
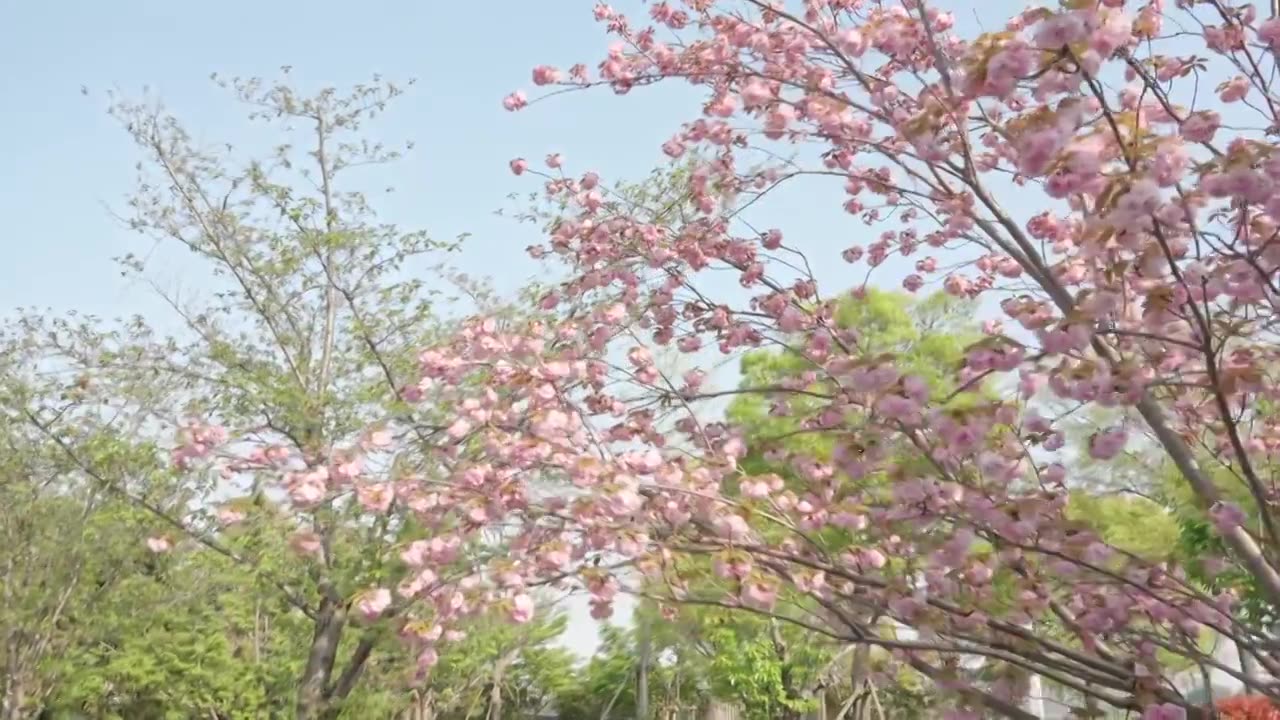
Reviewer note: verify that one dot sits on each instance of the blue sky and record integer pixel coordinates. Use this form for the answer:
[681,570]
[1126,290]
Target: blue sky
[65,162]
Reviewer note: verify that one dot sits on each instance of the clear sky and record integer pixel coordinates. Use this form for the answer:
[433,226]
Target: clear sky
[64,162]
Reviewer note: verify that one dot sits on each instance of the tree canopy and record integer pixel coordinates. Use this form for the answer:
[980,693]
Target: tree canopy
[339,490]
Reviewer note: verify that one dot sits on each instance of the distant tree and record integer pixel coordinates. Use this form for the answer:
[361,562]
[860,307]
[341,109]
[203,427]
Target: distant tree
[297,352]
[69,545]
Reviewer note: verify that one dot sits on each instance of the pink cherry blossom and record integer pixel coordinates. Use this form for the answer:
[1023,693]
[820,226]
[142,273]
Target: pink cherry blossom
[601,610]
[373,603]
[522,608]
[417,554]
[1269,33]
[1060,30]
[306,543]
[515,101]
[1108,443]
[307,490]
[1164,711]
[755,93]
[1226,516]
[759,595]
[1234,89]
[546,75]
[376,497]
[1200,126]
[872,558]
[427,659]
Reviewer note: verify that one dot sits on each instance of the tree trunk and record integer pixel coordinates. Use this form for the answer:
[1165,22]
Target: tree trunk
[642,675]
[14,695]
[495,702]
[313,693]
[420,708]
[12,702]
[786,675]
[499,677]
[337,692]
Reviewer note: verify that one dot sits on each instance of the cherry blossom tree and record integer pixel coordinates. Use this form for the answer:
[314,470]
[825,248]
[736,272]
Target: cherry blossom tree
[1140,282]
[1072,170]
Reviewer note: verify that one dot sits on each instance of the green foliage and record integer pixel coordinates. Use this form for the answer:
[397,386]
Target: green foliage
[1134,524]
[605,687]
[70,544]
[929,338]
[182,639]
[521,662]
[1200,549]
[751,667]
